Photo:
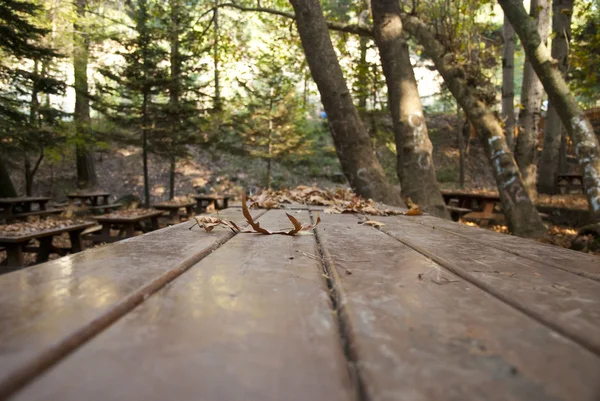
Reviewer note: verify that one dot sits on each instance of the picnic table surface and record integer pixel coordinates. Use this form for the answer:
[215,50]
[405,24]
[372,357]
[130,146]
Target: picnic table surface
[24,199]
[107,218]
[474,195]
[170,206]
[85,195]
[419,309]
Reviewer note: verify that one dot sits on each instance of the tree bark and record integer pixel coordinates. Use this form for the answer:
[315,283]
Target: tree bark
[7,189]
[521,215]
[415,167]
[145,124]
[352,143]
[461,147]
[532,93]
[172,177]
[562,10]
[217,98]
[572,116]
[86,171]
[175,85]
[508,82]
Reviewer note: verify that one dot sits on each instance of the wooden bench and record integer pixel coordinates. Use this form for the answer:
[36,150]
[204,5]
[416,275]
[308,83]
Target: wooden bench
[457,212]
[203,201]
[127,226]
[421,308]
[104,208]
[40,213]
[174,216]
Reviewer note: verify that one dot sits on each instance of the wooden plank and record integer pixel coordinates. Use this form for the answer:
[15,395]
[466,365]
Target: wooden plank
[418,332]
[251,322]
[580,263]
[566,302]
[50,309]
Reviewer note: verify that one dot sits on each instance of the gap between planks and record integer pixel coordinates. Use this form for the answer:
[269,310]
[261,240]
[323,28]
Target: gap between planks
[337,296]
[21,376]
[453,268]
[508,250]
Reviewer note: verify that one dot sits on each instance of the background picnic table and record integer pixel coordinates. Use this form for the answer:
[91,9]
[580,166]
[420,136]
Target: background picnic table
[420,308]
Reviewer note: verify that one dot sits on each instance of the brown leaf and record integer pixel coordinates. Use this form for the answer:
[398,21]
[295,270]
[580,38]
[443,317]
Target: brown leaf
[414,211]
[372,223]
[255,226]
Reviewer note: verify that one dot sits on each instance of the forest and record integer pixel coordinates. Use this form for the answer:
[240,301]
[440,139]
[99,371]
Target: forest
[270,94]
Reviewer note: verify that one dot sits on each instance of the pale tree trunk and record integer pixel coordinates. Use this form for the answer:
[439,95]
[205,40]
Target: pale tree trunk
[352,142]
[86,171]
[521,214]
[562,10]
[508,82]
[461,147]
[572,116]
[269,139]
[7,189]
[414,149]
[532,93]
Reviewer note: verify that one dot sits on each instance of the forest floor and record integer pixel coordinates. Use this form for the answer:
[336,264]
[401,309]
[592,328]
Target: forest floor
[119,171]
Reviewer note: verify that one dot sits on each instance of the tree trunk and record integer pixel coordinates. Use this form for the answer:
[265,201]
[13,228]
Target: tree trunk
[562,10]
[86,171]
[7,189]
[217,98]
[352,142]
[269,140]
[571,115]
[172,177]
[145,149]
[414,149]
[521,215]
[174,88]
[532,93]
[508,82]
[461,147]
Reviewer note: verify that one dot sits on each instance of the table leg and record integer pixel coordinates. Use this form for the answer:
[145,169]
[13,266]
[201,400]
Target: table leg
[174,216]
[75,237]
[15,255]
[225,203]
[44,250]
[155,225]
[105,199]
[105,233]
[94,200]
[190,211]
[129,230]
[43,205]
[488,208]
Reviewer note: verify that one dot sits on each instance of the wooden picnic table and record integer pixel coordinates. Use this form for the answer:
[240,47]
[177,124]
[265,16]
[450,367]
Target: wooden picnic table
[569,183]
[421,309]
[24,206]
[203,201]
[173,210]
[16,246]
[480,206]
[127,225]
[96,202]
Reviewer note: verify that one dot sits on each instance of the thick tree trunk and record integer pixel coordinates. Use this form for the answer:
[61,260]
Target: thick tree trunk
[7,189]
[572,116]
[508,82]
[532,93]
[562,10]
[352,143]
[86,171]
[521,215]
[414,149]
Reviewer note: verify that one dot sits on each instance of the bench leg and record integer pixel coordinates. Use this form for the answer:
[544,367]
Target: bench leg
[44,250]
[15,256]
[155,225]
[129,230]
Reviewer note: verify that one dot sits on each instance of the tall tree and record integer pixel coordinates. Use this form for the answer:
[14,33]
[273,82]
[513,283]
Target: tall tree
[572,116]
[508,81]
[532,93]
[217,95]
[7,189]
[521,214]
[130,90]
[353,145]
[86,171]
[414,149]
[562,11]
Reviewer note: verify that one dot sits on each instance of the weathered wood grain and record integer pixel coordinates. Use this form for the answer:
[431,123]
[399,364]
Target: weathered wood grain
[580,263]
[250,322]
[568,303]
[50,309]
[419,332]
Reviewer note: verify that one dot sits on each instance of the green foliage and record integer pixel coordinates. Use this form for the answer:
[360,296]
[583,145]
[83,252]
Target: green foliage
[584,55]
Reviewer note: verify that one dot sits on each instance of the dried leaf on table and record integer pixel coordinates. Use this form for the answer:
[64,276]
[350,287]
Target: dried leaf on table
[371,223]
